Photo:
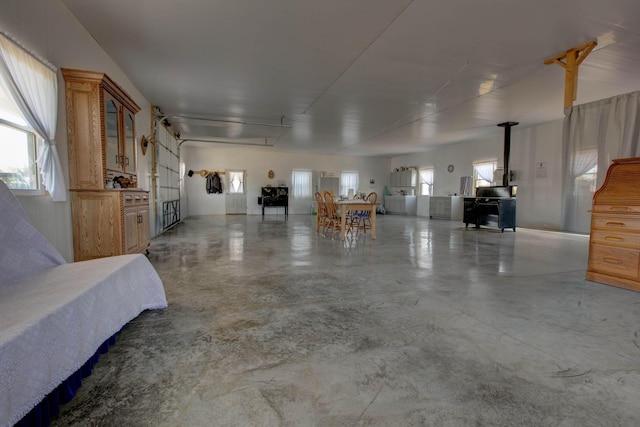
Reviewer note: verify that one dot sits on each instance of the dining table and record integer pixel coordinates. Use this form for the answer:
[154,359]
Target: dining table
[356,205]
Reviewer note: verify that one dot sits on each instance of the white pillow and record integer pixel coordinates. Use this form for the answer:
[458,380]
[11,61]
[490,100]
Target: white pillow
[23,250]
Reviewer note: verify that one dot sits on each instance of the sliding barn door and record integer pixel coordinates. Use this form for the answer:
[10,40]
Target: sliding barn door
[168,179]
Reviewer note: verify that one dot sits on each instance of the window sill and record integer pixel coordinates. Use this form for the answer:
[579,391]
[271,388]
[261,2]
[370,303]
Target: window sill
[29,193]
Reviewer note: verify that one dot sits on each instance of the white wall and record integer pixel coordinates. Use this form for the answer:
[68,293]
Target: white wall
[50,30]
[539,198]
[257,161]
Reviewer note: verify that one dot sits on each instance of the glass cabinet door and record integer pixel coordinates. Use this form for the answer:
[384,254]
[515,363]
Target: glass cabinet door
[129,143]
[114,161]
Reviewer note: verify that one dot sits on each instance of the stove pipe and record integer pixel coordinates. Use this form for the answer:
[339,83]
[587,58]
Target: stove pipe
[507,150]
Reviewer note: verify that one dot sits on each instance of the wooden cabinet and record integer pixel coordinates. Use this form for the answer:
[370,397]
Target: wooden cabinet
[136,218]
[120,144]
[614,244]
[109,222]
[102,146]
[101,130]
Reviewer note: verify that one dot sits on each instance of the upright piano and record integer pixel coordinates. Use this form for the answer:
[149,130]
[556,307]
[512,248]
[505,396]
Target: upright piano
[491,206]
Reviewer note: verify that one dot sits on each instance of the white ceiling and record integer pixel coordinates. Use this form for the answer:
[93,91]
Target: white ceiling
[363,77]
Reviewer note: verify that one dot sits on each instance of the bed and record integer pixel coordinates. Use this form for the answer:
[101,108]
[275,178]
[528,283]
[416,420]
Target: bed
[55,316]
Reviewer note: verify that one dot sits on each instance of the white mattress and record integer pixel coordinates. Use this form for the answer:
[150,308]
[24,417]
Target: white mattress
[53,321]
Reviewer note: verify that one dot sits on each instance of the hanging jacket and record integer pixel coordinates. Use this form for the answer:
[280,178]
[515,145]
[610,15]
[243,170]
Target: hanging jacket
[217,183]
[209,181]
[214,183]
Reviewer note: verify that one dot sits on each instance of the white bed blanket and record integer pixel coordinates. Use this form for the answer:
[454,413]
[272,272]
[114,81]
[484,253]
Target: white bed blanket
[51,322]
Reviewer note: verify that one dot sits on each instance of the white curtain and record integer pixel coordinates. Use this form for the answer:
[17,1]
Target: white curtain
[34,87]
[348,181]
[236,182]
[485,170]
[593,135]
[426,178]
[301,184]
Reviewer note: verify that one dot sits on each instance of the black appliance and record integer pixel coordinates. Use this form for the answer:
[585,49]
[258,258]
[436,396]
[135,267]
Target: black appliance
[275,197]
[492,205]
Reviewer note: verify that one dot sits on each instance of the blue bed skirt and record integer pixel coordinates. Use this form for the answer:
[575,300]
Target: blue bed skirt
[49,407]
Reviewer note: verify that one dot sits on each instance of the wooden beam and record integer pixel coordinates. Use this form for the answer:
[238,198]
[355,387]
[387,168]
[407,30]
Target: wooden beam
[573,58]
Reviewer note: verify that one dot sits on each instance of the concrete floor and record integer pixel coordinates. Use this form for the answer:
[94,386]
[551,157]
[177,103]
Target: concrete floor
[430,324]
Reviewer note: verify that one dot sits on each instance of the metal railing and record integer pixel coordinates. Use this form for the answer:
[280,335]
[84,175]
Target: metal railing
[170,214]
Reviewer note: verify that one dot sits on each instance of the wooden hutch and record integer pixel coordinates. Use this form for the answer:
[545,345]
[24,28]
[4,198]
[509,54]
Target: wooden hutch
[614,246]
[107,221]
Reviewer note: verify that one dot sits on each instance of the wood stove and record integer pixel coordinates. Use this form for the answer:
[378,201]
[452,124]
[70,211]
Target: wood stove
[492,205]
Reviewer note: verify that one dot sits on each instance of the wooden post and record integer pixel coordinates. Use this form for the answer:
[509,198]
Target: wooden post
[573,58]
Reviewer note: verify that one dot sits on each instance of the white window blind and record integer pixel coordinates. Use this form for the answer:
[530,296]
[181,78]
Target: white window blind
[348,181]
[301,183]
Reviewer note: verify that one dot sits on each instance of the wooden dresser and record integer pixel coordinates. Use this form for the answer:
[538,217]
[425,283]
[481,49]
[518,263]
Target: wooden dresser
[614,246]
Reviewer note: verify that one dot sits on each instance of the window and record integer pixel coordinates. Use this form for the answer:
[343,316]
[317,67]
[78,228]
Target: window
[28,111]
[426,182]
[236,182]
[17,145]
[483,173]
[17,163]
[586,183]
[584,170]
[301,184]
[348,181]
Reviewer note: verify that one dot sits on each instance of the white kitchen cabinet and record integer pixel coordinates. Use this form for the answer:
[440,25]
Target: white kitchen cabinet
[447,207]
[406,178]
[404,205]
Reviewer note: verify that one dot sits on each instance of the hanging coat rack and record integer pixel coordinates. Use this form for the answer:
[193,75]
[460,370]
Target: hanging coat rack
[203,172]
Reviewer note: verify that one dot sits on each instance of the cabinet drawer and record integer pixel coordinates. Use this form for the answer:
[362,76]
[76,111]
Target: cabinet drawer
[136,199]
[621,262]
[617,222]
[614,238]
[129,199]
[617,208]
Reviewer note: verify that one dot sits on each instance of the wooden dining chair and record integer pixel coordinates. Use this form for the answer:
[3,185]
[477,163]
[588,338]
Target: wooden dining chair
[364,217]
[322,218]
[352,215]
[333,217]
